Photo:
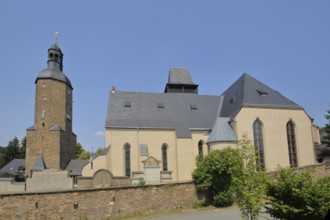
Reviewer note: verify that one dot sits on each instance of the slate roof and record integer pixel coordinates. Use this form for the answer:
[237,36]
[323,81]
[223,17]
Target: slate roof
[12,166]
[75,167]
[179,76]
[39,164]
[222,131]
[54,69]
[179,111]
[183,112]
[54,74]
[56,128]
[249,92]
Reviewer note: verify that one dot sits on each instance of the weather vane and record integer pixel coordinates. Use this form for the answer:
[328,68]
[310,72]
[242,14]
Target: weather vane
[56,36]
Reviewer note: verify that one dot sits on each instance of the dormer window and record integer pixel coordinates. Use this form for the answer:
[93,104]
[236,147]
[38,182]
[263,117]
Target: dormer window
[262,93]
[193,107]
[127,104]
[160,106]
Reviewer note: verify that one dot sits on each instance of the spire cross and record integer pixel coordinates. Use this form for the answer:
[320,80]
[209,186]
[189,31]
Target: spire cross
[56,36]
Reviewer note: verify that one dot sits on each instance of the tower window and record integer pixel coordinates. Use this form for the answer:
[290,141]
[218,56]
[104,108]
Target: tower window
[43,112]
[56,57]
[44,98]
[44,85]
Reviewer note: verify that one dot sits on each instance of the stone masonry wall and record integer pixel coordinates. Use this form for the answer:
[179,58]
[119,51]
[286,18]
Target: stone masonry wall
[103,203]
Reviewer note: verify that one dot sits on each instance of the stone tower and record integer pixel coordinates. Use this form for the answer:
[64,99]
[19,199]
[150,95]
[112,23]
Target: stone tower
[51,137]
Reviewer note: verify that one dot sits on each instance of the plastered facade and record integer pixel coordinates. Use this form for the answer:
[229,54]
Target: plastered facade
[182,152]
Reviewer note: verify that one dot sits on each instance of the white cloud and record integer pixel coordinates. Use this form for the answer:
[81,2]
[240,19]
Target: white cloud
[99,133]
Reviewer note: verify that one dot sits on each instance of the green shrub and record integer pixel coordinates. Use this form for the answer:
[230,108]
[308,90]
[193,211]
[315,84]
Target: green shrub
[198,204]
[294,195]
[214,175]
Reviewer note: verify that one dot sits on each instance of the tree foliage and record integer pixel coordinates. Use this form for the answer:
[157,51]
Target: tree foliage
[294,195]
[326,138]
[14,150]
[250,185]
[214,175]
[81,154]
[99,150]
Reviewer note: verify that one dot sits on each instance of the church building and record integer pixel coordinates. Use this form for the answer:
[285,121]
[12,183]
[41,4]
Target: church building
[176,126]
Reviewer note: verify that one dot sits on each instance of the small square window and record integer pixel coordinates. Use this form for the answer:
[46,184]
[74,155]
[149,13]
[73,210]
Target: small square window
[143,150]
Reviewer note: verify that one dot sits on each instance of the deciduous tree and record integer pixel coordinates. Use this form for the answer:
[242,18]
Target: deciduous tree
[250,185]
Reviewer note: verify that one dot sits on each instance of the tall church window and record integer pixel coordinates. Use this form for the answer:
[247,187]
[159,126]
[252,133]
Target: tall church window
[127,154]
[200,148]
[259,144]
[292,145]
[164,157]
[43,112]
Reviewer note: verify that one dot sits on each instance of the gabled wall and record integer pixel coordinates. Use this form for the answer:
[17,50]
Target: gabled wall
[274,134]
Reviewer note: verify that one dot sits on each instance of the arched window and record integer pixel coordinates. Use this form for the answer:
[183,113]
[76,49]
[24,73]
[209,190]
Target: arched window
[200,148]
[292,147]
[164,157]
[127,162]
[259,144]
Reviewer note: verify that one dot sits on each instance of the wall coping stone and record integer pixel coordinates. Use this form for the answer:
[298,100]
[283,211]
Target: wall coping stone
[94,189]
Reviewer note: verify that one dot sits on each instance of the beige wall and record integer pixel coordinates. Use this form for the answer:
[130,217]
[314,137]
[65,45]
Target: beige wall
[117,138]
[274,134]
[316,134]
[96,164]
[182,152]
[222,145]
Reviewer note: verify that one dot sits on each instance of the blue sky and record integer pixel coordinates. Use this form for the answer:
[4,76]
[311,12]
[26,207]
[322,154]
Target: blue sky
[132,44]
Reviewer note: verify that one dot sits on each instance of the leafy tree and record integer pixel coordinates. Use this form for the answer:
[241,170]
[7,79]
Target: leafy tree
[250,185]
[99,150]
[214,175]
[326,138]
[294,195]
[81,154]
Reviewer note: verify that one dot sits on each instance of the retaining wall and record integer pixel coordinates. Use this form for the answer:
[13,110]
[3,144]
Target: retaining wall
[104,203]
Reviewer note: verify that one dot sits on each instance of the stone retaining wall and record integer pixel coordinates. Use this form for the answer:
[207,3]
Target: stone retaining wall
[102,203]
